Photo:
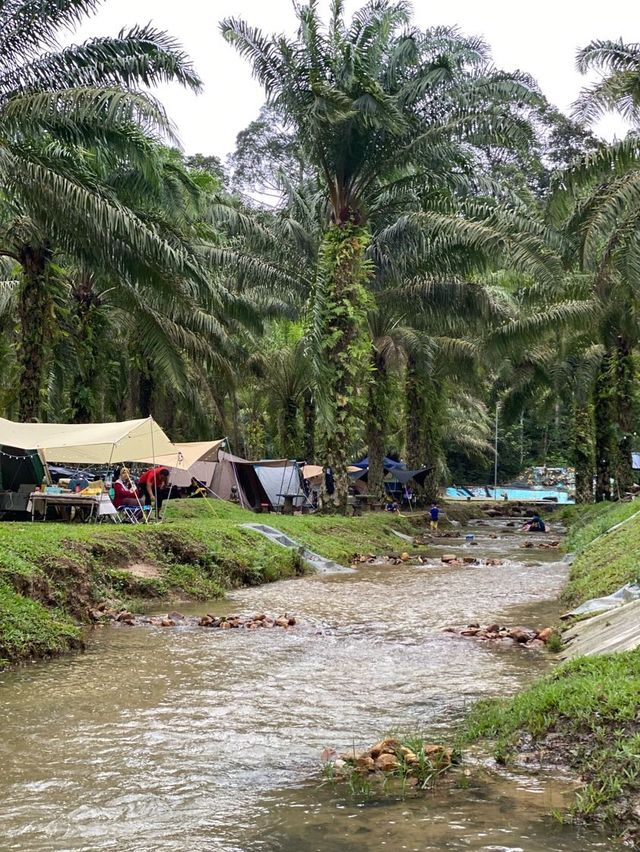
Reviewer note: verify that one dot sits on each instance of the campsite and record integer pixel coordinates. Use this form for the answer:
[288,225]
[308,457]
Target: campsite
[319,426]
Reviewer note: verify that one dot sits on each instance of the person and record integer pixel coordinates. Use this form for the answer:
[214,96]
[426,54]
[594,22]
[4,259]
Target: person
[154,483]
[125,491]
[434,514]
[536,524]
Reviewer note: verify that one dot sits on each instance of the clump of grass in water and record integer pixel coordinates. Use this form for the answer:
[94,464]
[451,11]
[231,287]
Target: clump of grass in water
[413,764]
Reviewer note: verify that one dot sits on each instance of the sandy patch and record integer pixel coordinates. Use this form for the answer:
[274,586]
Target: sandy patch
[143,569]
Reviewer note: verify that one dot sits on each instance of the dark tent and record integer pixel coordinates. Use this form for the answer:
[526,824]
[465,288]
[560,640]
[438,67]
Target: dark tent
[21,472]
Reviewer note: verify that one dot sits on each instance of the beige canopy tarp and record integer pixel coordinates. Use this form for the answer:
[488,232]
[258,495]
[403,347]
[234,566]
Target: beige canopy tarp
[184,456]
[89,443]
[195,459]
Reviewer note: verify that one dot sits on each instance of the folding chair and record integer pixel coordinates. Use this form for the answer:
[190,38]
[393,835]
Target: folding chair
[133,514]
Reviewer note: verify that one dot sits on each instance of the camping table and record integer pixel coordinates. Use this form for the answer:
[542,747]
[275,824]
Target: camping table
[98,504]
[287,506]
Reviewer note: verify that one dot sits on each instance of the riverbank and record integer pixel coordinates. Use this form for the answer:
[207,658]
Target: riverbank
[52,574]
[584,716]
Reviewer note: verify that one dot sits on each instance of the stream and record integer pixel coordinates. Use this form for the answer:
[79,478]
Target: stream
[208,740]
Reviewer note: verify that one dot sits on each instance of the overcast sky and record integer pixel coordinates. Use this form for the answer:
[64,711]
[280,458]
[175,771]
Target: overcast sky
[540,38]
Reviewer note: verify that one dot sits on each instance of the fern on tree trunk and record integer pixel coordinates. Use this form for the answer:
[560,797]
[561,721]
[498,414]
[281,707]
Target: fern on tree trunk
[342,346]
[583,454]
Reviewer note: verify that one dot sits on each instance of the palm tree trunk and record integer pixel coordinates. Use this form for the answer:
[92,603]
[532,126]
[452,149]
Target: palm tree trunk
[343,348]
[626,414]
[414,439]
[146,389]
[423,420]
[289,429]
[604,415]
[309,421]
[583,456]
[376,425]
[83,394]
[34,310]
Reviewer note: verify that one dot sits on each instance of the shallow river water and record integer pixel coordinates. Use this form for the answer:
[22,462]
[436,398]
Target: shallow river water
[192,739]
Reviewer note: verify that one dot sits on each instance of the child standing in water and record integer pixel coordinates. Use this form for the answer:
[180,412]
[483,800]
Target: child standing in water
[434,513]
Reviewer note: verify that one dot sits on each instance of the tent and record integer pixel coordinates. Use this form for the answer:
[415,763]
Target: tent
[21,472]
[256,484]
[89,443]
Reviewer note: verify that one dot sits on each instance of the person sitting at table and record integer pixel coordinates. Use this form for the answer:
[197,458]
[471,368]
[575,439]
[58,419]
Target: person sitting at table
[154,483]
[125,490]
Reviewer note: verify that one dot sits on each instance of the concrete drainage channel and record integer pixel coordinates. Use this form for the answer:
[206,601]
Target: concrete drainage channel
[313,560]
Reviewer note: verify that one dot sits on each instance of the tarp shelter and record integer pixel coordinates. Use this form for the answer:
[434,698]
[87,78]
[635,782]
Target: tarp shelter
[403,476]
[89,443]
[191,459]
[387,463]
[257,484]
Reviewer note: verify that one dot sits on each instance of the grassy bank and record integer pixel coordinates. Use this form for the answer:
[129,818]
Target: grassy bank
[585,714]
[51,573]
[604,560]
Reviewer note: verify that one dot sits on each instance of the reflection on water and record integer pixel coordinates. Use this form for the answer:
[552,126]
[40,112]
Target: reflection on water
[187,739]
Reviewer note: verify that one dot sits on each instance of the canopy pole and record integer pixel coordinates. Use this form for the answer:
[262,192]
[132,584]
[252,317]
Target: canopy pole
[235,476]
[155,478]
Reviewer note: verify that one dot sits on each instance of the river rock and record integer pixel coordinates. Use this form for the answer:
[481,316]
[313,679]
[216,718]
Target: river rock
[546,634]
[405,556]
[176,616]
[387,746]
[366,762]
[520,634]
[206,621]
[386,762]
[448,557]
[167,622]
[125,616]
[409,756]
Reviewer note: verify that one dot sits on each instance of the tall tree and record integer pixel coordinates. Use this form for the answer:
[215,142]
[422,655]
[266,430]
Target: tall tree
[65,114]
[380,111]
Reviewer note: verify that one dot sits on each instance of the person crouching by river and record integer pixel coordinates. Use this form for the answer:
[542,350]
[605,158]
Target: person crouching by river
[125,490]
[154,483]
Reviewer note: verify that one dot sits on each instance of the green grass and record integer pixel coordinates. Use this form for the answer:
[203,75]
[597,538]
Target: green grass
[591,706]
[28,629]
[585,714]
[53,572]
[604,561]
[587,522]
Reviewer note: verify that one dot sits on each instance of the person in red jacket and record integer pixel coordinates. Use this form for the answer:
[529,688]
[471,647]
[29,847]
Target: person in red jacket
[154,483]
[125,490]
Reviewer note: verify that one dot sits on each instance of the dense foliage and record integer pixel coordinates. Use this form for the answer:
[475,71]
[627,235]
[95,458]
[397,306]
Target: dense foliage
[405,240]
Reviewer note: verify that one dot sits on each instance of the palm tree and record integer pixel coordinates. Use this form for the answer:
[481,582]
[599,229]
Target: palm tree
[382,112]
[67,116]
[618,88]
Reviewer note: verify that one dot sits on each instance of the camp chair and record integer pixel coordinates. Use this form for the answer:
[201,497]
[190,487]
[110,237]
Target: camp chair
[133,514]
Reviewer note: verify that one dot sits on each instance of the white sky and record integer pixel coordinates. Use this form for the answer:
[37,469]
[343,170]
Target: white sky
[540,38]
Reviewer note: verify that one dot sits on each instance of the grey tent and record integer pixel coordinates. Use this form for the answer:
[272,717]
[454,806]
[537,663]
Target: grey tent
[257,484]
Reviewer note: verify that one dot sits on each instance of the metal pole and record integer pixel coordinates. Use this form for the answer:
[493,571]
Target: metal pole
[495,463]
